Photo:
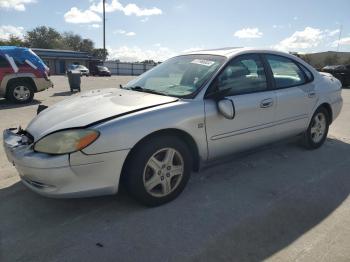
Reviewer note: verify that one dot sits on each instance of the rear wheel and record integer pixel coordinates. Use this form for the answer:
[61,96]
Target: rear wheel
[20,92]
[317,131]
[158,170]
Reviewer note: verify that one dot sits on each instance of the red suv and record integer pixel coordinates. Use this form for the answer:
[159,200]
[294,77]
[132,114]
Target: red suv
[22,73]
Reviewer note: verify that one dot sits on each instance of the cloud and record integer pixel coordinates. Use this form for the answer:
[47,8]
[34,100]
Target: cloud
[332,33]
[144,20]
[137,54]
[7,30]
[277,26]
[110,7]
[76,16]
[130,34]
[123,32]
[308,38]
[134,54]
[18,5]
[342,41]
[192,49]
[247,33]
[95,26]
[129,9]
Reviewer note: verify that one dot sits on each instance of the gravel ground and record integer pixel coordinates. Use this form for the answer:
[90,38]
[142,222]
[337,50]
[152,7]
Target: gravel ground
[278,203]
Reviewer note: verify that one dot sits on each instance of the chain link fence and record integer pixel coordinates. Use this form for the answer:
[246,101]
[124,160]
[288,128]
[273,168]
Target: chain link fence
[130,69]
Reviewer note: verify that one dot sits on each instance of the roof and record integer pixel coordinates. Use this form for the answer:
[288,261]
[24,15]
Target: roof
[23,55]
[232,51]
[56,53]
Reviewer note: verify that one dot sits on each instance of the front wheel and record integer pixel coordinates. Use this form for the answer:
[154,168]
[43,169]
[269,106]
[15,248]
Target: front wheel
[20,92]
[316,134]
[158,170]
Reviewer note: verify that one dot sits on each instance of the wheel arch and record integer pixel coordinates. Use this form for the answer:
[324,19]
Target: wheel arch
[328,107]
[186,137]
[25,79]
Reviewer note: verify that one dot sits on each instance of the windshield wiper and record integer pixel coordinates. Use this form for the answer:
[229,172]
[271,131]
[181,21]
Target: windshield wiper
[146,90]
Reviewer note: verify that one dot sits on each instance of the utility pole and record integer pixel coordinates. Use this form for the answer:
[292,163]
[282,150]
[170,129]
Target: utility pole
[340,32]
[104,30]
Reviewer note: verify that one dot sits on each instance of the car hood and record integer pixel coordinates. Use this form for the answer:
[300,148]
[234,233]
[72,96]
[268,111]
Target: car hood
[91,107]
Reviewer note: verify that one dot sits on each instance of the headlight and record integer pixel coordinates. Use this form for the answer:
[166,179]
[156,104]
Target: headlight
[67,141]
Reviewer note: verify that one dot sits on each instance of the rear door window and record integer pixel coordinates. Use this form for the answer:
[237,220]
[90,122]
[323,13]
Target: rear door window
[285,72]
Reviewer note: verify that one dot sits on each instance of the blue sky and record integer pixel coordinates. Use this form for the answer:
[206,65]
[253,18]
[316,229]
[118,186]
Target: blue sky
[158,29]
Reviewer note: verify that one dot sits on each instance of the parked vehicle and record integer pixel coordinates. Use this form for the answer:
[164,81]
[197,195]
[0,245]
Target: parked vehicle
[22,73]
[101,71]
[341,72]
[152,133]
[84,71]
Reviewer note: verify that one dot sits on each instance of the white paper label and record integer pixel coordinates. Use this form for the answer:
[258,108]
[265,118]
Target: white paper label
[203,62]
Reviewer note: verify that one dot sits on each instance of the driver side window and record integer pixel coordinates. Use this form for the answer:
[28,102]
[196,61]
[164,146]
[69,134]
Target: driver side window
[244,74]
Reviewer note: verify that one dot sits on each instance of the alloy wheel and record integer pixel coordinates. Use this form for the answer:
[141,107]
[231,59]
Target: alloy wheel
[318,127]
[163,172]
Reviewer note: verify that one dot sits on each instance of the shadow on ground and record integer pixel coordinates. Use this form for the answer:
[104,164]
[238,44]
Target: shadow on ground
[65,93]
[5,104]
[246,208]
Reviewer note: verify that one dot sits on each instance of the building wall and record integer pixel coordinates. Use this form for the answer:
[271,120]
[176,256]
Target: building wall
[59,66]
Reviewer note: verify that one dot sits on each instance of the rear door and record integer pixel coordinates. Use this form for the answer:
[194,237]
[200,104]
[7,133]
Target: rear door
[295,95]
[247,86]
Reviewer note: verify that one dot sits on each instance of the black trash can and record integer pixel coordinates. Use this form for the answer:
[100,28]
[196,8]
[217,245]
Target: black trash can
[74,80]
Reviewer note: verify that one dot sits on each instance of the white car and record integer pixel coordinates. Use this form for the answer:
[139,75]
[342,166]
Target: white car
[84,71]
[189,110]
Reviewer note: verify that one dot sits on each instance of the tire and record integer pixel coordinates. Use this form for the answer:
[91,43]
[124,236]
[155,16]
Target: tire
[148,166]
[20,92]
[316,134]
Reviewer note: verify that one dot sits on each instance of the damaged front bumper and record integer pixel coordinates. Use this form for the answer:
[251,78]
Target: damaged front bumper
[69,175]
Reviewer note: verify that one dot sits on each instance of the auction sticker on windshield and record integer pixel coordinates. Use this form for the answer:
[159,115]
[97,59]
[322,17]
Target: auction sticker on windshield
[202,62]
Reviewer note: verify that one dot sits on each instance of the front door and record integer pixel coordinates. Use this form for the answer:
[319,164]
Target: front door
[244,82]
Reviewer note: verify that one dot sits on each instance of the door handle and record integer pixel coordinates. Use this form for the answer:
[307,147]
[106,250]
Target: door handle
[266,103]
[311,94]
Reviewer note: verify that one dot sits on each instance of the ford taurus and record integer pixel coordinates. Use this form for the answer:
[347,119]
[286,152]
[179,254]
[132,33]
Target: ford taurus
[153,132]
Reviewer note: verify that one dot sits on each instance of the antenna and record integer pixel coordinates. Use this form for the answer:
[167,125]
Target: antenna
[340,31]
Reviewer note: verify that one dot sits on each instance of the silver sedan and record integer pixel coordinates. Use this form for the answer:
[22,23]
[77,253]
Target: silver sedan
[189,110]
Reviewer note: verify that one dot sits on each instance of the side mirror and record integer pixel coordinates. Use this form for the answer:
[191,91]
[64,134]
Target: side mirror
[226,108]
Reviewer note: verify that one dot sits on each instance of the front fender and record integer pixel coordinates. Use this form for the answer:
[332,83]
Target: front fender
[125,132]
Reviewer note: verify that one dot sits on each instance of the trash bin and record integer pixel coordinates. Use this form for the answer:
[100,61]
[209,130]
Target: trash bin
[74,80]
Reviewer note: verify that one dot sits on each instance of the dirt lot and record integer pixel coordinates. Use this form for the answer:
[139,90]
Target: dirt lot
[280,203]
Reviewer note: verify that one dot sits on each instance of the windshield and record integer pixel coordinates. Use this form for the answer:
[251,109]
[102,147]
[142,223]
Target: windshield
[102,68]
[180,76]
[72,66]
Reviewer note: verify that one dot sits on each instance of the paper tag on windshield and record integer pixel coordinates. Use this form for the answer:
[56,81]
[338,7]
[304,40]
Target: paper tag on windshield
[203,62]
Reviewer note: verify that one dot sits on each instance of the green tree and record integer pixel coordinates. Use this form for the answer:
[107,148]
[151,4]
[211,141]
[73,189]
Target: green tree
[87,45]
[152,62]
[71,41]
[100,53]
[44,37]
[14,41]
